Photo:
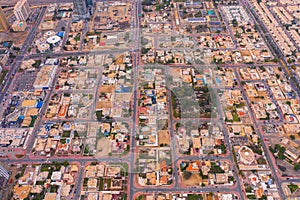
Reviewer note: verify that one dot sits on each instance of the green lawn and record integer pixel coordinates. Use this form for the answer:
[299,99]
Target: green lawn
[101,183]
[66,134]
[108,183]
[33,119]
[236,117]
[293,187]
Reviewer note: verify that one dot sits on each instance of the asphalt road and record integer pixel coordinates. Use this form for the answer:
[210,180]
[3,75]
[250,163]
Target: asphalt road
[135,26]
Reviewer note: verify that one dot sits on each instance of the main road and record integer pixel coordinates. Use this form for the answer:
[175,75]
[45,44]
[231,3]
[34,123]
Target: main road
[135,58]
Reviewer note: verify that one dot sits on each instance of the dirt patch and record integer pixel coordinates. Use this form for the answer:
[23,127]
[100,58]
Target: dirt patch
[119,60]
[107,89]
[106,104]
[163,137]
[17,37]
[103,147]
[122,97]
[245,53]
[175,73]
[194,180]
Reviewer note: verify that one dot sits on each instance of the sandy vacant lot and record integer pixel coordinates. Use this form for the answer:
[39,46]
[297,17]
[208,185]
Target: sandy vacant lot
[17,37]
[119,60]
[163,137]
[107,89]
[104,104]
[103,147]
[194,180]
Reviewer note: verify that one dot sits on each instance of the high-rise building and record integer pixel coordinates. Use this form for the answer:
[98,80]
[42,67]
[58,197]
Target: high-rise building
[4,172]
[80,6]
[4,26]
[4,177]
[22,10]
[90,6]
[89,2]
[19,26]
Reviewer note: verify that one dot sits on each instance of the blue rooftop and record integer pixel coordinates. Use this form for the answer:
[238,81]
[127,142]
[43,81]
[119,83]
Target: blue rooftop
[123,89]
[21,117]
[5,44]
[61,34]
[39,104]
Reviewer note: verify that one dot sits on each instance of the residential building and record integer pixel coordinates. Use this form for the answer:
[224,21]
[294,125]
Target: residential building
[4,172]
[80,6]
[4,177]
[45,77]
[19,26]
[5,48]
[89,2]
[22,10]
[4,26]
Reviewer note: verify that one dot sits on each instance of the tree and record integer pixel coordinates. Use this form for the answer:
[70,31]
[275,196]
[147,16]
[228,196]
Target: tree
[263,197]
[198,14]
[248,189]
[280,151]
[293,187]
[187,175]
[99,114]
[214,169]
[65,163]
[141,197]
[211,193]
[292,137]
[159,7]
[194,197]
[18,176]
[297,166]
[223,148]
[271,149]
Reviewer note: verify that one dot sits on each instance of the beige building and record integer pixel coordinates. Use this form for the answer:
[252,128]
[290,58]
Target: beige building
[4,26]
[44,77]
[19,26]
[22,10]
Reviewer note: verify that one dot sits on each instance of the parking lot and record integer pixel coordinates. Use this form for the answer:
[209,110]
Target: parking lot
[25,81]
